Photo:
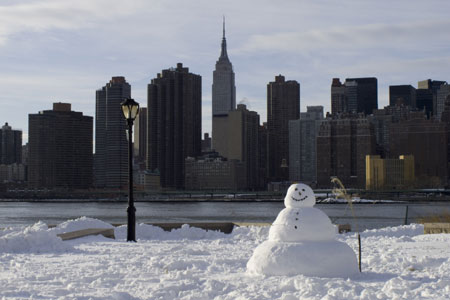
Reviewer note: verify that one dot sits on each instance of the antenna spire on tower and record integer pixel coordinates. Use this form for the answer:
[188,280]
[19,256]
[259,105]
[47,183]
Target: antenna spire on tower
[223,53]
[224,26]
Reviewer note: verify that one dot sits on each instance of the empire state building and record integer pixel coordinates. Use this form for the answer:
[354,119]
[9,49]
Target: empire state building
[223,89]
[223,92]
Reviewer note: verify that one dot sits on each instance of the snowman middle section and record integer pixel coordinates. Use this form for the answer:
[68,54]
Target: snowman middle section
[301,225]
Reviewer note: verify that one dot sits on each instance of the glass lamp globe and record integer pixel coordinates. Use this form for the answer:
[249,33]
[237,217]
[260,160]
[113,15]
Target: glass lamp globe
[130,109]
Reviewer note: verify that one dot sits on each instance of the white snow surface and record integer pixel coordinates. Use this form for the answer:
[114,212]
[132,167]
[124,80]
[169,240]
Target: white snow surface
[190,263]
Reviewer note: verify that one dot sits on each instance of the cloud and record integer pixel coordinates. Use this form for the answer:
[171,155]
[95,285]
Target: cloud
[38,16]
[53,50]
[354,37]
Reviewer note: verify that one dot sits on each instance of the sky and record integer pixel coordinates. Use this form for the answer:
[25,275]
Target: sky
[63,51]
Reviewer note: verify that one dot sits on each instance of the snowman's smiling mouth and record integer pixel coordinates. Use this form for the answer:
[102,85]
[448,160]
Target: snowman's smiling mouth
[301,199]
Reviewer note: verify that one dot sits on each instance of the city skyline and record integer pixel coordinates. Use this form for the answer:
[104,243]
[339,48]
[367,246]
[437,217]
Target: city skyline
[53,51]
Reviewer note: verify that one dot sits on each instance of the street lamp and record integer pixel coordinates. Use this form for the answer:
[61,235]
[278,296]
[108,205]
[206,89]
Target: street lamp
[130,109]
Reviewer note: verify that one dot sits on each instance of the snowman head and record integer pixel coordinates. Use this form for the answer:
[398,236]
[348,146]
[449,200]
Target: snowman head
[299,195]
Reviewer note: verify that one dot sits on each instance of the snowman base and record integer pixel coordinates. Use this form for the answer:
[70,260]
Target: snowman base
[321,259]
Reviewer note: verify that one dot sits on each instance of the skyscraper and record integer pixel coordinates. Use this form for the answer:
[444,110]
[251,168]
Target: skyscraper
[445,118]
[382,120]
[223,90]
[351,96]
[174,123]
[367,94]
[302,145]
[283,105]
[241,131]
[111,146]
[338,97]
[140,135]
[441,97]
[427,141]
[355,95]
[60,148]
[427,95]
[425,101]
[405,94]
[342,145]
[10,145]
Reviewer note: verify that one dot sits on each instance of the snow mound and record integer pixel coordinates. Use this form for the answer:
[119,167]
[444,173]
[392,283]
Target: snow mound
[250,233]
[32,239]
[398,231]
[80,224]
[150,232]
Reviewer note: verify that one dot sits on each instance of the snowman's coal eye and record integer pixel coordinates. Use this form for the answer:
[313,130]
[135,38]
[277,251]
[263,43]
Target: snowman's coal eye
[296,189]
[303,190]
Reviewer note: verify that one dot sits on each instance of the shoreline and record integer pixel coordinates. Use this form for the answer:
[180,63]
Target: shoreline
[194,200]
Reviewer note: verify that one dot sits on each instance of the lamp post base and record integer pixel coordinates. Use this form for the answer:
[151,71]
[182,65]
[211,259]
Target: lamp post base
[131,228]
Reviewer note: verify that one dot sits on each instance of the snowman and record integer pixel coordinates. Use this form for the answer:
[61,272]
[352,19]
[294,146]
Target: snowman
[302,241]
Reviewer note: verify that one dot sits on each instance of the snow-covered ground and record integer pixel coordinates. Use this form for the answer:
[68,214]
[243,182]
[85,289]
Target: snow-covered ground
[190,263]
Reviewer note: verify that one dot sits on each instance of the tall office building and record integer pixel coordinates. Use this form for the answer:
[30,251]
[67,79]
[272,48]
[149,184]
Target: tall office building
[262,153]
[425,101]
[382,120]
[445,118]
[10,145]
[302,145]
[351,96]
[342,145]
[223,88]
[355,95]
[367,94]
[338,97]
[174,123]
[206,142]
[223,91]
[283,105]
[111,146]
[427,95]
[60,148]
[402,94]
[427,141]
[442,94]
[241,130]
[140,135]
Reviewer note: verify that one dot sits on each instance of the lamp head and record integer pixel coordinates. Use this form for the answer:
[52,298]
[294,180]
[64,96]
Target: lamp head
[130,109]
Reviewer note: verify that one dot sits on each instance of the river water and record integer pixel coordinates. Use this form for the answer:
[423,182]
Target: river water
[367,216]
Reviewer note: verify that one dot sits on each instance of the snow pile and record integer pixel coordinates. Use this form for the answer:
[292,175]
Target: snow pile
[32,239]
[38,238]
[354,200]
[80,224]
[256,234]
[150,232]
[302,241]
[399,231]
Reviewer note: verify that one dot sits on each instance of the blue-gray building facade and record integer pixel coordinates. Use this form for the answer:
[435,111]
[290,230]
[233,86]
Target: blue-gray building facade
[111,145]
[302,145]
